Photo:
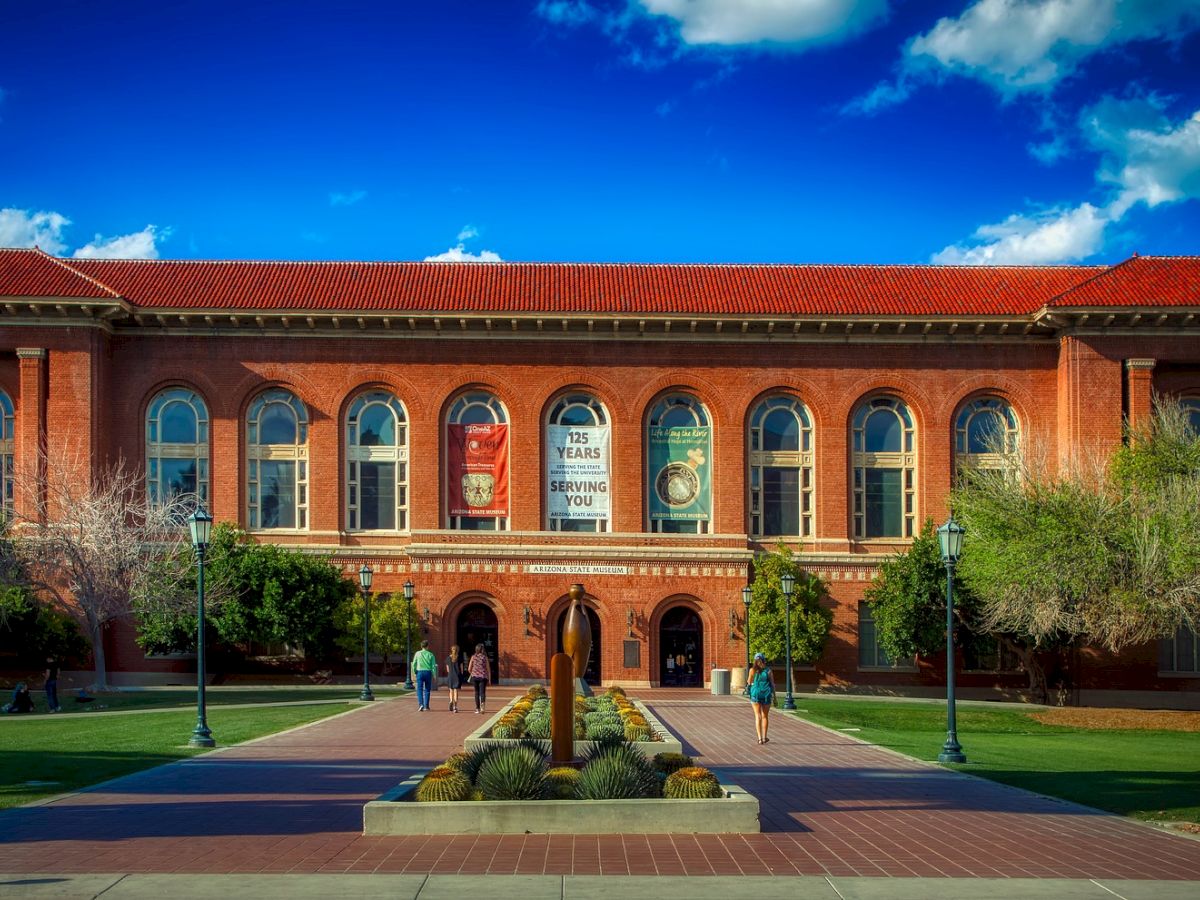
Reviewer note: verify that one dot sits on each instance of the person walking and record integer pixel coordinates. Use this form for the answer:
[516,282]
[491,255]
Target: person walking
[480,671]
[456,674]
[761,691]
[52,684]
[424,667]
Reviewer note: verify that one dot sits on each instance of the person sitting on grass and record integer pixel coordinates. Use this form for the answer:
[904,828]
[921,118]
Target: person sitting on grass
[21,701]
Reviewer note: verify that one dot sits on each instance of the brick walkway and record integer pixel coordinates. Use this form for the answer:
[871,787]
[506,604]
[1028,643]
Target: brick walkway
[830,806]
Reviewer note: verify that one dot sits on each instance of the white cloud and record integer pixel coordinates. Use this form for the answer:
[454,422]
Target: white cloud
[1053,236]
[23,228]
[460,254]
[139,245]
[467,232]
[336,198]
[793,22]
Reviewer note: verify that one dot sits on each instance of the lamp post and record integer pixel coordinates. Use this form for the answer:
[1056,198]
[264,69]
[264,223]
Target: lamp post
[364,579]
[409,589]
[788,583]
[950,536]
[200,523]
[747,596]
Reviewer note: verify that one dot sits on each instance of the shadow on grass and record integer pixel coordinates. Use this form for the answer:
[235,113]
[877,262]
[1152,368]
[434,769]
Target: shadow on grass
[1175,796]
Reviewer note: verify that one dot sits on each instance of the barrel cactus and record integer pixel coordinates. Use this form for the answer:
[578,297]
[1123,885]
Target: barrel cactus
[537,690]
[506,731]
[443,783]
[603,729]
[692,783]
[537,727]
[638,732]
[456,760]
[512,773]
[671,762]
[561,783]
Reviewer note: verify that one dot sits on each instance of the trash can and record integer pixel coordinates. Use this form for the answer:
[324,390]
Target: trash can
[737,680]
[719,681]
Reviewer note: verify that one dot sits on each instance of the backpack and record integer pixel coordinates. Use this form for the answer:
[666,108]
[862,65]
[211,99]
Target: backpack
[761,689]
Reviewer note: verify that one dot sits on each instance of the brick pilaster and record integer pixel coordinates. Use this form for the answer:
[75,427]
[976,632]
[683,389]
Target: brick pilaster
[30,437]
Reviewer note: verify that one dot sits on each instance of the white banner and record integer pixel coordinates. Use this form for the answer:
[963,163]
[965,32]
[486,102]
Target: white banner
[577,480]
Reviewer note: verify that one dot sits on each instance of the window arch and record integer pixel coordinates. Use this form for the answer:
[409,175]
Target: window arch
[985,432]
[781,469]
[176,445]
[476,483]
[679,466]
[376,463]
[277,461]
[884,462]
[7,466]
[578,476]
[1191,406]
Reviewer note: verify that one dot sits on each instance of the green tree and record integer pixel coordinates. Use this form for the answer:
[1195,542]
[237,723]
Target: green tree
[811,619]
[393,620]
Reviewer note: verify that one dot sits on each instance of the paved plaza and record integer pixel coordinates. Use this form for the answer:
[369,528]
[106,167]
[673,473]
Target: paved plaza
[835,811]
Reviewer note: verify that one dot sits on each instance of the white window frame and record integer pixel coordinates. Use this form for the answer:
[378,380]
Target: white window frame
[801,459]
[257,453]
[904,460]
[395,454]
[995,458]
[157,449]
[7,457]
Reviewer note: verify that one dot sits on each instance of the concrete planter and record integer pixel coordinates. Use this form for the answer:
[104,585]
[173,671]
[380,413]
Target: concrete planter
[668,743]
[396,813]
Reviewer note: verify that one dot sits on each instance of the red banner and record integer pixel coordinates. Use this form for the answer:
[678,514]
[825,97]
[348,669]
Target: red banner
[477,480]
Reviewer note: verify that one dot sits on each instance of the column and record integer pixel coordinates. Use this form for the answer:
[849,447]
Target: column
[30,438]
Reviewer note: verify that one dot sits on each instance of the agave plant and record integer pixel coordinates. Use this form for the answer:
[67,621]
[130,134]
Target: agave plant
[512,773]
[443,783]
[617,773]
[690,783]
[476,758]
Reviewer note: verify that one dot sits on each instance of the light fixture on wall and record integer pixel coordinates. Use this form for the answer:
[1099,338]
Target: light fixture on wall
[527,617]
[629,621]
[733,623]
[428,619]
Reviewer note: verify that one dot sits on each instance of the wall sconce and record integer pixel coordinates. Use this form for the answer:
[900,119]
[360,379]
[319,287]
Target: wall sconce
[527,617]
[428,619]
[629,621]
[733,621]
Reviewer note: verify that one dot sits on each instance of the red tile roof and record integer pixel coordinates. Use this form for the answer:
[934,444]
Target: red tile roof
[604,289]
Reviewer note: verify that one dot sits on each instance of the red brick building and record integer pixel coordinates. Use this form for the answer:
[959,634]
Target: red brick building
[494,432]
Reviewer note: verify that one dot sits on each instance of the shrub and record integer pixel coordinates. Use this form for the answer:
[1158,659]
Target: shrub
[671,762]
[443,783]
[512,773]
[561,783]
[691,783]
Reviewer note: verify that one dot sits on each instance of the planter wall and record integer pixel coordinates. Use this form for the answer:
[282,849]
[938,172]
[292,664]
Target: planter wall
[668,744]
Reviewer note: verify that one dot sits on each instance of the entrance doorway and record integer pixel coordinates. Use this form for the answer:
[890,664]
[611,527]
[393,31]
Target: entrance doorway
[592,674]
[477,625]
[681,649]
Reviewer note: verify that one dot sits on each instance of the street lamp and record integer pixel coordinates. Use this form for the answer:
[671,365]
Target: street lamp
[364,579]
[788,583]
[200,523]
[747,596]
[409,589]
[950,536]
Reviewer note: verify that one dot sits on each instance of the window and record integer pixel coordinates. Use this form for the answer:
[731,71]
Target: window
[6,454]
[477,463]
[376,464]
[176,445]
[984,433]
[578,477]
[985,653]
[1180,655]
[884,461]
[1191,405]
[781,469]
[870,654]
[679,466]
[277,461]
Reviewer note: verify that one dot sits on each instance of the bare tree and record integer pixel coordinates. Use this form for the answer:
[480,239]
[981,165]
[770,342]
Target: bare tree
[91,541]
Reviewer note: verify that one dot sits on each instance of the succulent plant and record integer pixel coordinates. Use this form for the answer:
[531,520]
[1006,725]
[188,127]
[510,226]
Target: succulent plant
[506,731]
[536,690]
[456,760]
[476,758]
[539,746]
[671,762]
[537,727]
[561,783]
[638,732]
[476,794]
[443,783]
[512,773]
[691,783]
[617,773]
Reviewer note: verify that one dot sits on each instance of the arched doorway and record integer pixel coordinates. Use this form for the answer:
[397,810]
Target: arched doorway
[681,648]
[477,625]
[592,674]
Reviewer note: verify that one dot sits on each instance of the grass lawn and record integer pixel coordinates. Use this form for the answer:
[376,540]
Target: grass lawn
[161,698]
[1152,775]
[75,751]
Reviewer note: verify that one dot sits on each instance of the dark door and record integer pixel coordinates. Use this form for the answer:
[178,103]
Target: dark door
[681,649]
[592,674]
[477,625]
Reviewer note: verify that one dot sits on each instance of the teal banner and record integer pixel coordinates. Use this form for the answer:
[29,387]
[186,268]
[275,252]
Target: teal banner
[680,484]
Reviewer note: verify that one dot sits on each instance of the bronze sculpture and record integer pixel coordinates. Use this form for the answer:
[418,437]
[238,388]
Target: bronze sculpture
[577,637]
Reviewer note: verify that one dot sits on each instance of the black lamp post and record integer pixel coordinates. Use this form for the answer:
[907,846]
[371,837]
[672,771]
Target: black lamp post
[788,583]
[950,536]
[747,596]
[364,579]
[409,590]
[200,523]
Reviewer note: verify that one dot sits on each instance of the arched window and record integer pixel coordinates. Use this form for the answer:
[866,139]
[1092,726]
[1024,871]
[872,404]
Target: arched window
[781,469]
[6,454]
[985,432]
[1191,405]
[679,466]
[884,462]
[476,481]
[376,464]
[578,478]
[176,445]
[277,461]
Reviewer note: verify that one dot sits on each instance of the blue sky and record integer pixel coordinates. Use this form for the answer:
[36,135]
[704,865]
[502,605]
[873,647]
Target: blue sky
[876,131]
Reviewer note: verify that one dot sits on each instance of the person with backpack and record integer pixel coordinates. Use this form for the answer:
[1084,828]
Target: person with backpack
[761,690]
